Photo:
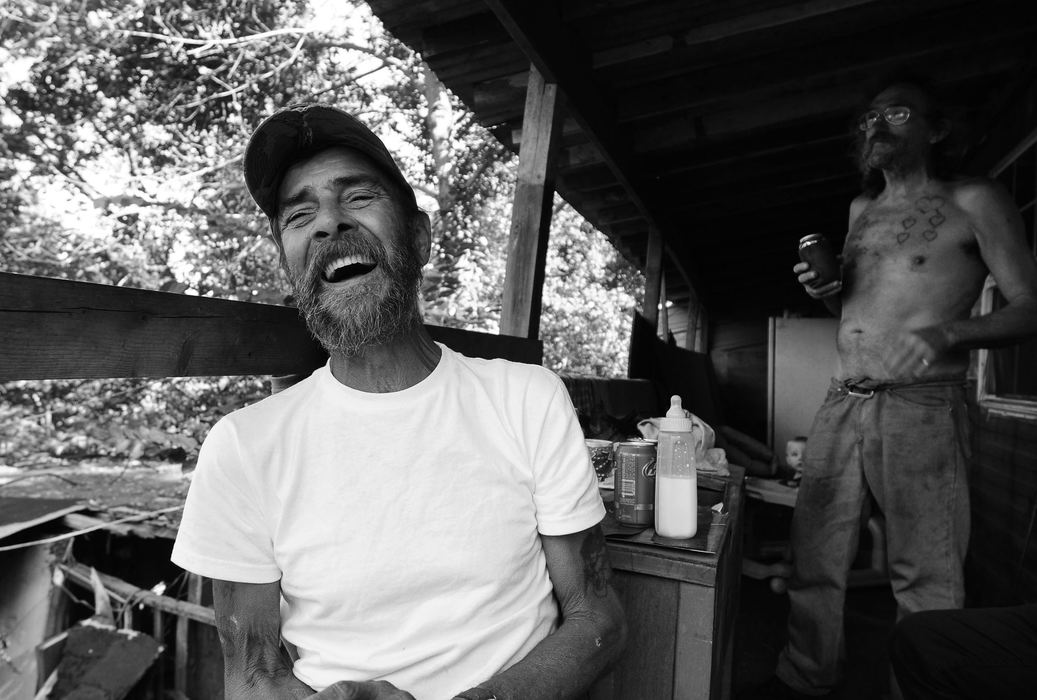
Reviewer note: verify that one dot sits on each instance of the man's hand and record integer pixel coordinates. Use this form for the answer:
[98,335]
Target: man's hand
[914,352]
[806,275]
[362,690]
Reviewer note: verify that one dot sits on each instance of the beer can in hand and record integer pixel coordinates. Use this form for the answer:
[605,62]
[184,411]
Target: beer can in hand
[817,251]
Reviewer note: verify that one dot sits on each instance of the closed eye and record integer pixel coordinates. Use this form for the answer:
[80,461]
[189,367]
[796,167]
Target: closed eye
[361,197]
[296,217]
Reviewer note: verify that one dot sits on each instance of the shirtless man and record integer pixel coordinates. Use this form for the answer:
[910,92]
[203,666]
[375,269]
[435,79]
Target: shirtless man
[893,429]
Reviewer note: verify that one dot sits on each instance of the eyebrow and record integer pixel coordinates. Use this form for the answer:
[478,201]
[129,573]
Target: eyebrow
[343,182]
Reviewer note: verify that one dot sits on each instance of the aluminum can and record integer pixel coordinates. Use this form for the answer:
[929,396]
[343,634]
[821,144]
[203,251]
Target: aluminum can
[635,483]
[816,250]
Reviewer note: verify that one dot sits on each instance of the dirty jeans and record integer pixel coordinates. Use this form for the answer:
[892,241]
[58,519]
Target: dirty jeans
[905,446]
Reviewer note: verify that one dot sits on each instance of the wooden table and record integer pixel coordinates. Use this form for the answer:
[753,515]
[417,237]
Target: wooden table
[681,609]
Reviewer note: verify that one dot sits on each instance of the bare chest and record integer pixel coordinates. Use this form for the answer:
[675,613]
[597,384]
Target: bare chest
[925,235]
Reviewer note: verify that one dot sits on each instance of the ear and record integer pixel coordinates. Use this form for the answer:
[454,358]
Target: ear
[421,227]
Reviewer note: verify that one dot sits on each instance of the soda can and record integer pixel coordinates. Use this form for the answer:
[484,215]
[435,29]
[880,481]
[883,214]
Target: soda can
[816,250]
[635,483]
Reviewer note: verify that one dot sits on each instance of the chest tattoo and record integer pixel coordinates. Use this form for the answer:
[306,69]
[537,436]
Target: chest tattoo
[927,211]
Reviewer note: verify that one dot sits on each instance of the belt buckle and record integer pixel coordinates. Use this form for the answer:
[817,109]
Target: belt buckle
[854,390]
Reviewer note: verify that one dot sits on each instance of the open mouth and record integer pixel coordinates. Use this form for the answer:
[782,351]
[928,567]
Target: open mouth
[346,268]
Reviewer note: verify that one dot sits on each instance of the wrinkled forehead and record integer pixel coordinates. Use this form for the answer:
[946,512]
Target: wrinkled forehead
[316,168]
[901,94]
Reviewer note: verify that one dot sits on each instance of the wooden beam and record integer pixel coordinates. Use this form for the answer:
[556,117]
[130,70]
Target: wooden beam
[62,329]
[1012,129]
[531,211]
[125,592]
[962,41]
[536,27]
[767,19]
[664,312]
[653,278]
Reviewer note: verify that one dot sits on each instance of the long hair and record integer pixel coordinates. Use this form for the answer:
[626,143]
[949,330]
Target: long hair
[945,156]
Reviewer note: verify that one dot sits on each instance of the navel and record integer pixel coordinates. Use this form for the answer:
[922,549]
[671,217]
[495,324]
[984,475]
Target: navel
[918,261]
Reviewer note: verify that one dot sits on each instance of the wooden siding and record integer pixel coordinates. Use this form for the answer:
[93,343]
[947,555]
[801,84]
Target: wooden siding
[1002,564]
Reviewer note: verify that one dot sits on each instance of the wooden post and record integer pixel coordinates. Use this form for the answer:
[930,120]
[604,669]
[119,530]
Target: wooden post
[531,210]
[653,278]
[664,313]
[158,632]
[693,323]
[183,629]
[701,330]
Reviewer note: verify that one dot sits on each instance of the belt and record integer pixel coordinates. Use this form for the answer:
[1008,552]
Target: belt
[865,387]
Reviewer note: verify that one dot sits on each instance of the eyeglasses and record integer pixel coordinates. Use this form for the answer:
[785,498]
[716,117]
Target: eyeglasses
[894,115]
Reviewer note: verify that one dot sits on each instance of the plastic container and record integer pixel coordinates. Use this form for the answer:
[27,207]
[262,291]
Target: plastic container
[676,483]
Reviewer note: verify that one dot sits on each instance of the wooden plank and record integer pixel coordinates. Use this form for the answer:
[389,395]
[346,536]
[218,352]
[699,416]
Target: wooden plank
[183,628]
[694,644]
[1011,134]
[664,312]
[158,631]
[645,669]
[531,211]
[767,19]
[99,662]
[958,37]
[489,345]
[122,591]
[65,329]
[653,278]
[62,329]
[535,26]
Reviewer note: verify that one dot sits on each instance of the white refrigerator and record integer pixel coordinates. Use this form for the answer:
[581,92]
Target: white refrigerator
[802,361]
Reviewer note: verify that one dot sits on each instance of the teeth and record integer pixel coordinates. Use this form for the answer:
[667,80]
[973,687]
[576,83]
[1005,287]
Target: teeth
[330,268]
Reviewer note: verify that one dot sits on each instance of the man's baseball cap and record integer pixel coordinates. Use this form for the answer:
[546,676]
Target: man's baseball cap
[299,131]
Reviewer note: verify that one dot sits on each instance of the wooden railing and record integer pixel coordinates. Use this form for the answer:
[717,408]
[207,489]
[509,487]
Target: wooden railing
[61,329]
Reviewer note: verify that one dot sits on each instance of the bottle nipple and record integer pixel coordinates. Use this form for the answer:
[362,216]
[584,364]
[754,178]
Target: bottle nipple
[676,419]
[675,408]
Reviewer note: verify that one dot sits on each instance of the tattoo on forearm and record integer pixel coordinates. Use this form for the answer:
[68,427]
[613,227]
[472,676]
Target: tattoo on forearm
[596,568]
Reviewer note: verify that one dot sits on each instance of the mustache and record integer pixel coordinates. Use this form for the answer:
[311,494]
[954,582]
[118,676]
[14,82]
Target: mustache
[882,137]
[360,246]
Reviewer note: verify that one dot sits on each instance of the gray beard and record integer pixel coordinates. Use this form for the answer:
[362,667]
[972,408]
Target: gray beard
[347,322]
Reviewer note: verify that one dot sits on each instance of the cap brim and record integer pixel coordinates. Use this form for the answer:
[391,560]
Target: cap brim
[299,131]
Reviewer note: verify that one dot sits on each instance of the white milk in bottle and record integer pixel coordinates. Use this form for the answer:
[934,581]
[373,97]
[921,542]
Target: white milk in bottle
[676,485]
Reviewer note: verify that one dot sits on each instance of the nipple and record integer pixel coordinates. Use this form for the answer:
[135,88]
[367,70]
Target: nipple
[675,420]
[675,407]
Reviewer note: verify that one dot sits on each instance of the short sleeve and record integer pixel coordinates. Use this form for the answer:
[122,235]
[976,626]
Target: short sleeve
[566,488]
[223,532]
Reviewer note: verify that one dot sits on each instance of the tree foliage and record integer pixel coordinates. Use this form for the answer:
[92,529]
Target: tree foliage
[121,131]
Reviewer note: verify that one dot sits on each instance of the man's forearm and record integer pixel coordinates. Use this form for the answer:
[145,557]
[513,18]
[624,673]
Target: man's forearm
[1010,324]
[259,686]
[262,679]
[564,664]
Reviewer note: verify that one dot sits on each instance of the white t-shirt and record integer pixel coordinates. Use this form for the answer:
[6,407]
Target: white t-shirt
[403,526]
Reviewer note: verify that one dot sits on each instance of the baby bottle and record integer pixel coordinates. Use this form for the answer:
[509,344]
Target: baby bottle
[676,486]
